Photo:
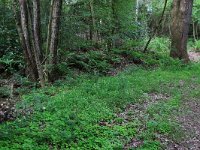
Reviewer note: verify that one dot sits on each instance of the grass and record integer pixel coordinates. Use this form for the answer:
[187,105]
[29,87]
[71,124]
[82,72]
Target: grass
[82,114]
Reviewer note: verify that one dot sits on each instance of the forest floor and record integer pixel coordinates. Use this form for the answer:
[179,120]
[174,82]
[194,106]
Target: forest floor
[189,117]
[186,118]
[194,56]
[145,109]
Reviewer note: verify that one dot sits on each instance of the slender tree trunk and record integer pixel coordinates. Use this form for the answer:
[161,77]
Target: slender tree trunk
[26,38]
[21,36]
[93,35]
[28,70]
[136,10]
[115,23]
[181,13]
[18,24]
[169,27]
[53,47]
[48,41]
[194,30]
[29,25]
[37,40]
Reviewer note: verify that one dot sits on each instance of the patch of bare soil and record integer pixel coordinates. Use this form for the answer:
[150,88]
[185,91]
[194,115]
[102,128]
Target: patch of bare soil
[139,111]
[189,119]
[8,100]
[136,112]
[7,109]
[194,56]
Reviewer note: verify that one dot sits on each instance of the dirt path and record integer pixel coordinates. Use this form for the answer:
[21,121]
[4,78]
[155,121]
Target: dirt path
[194,56]
[188,116]
[190,120]
[190,123]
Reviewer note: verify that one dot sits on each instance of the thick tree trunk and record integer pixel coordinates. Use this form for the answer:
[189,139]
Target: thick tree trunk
[37,40]
[25,39]
[181,14]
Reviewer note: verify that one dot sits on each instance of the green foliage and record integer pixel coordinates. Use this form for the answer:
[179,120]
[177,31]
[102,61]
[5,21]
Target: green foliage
[4,92]
[194,45]
[197,45]
[196,12]
[98,62]
[123,14]
[10,52]
[113,21]
[82,116]
[160,45]
[81,111]
[11,62]
[103,61]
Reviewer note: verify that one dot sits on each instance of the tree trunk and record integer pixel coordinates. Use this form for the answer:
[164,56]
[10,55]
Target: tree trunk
[37,40]
[21,37]
[137,11]
[25,39]
[93,31]
[181,17]
[48,41]
[56,14]
[194,30]
[115,24]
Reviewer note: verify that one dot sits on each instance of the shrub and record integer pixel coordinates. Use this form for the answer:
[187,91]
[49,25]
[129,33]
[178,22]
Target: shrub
[160,44]
[11,62]
[197,45]
[194,45]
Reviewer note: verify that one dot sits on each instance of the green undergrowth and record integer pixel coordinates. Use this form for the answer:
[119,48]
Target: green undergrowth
[101,62]
[81,114]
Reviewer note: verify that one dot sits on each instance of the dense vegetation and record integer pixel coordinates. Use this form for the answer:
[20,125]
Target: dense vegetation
[75,74]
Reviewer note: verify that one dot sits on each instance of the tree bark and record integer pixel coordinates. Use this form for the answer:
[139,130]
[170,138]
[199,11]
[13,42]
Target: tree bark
[136,11]
[55,24]
[37,40]
[25,39]
[194,30]
[21,37]
[94,35]
[48,42]
[181,18]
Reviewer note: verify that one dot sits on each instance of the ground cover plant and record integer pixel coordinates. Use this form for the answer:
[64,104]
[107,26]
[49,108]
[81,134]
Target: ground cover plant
[89,114]
[93,74]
